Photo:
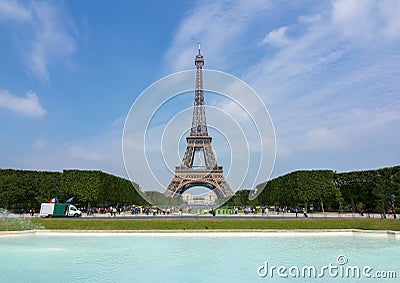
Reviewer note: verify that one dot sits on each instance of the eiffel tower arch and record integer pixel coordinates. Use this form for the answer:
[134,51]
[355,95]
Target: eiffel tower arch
[198,145]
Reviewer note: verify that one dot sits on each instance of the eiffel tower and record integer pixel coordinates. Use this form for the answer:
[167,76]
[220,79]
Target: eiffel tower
[206,174]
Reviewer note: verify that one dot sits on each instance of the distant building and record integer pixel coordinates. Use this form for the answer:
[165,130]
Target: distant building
[206,199]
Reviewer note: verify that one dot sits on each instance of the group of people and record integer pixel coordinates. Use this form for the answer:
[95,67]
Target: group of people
[278,210]
[31,211]
[112,210]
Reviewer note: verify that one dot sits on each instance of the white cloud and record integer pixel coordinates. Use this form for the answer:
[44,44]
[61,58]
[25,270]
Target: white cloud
[40,144]
[353,18]
[325,71]
[276,38]
[26,106]
[322,138]
[367,21]
[12,10]
[217,25]
[102,151]
[390,12]
[52,39]
[334,88]
[46,30]
[85,152]
[331,84]
[309,18]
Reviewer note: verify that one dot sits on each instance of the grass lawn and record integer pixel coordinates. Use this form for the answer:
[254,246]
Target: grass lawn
[216,224]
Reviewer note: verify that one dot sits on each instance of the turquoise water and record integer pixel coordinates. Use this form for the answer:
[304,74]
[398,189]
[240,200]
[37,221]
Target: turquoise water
[189,258]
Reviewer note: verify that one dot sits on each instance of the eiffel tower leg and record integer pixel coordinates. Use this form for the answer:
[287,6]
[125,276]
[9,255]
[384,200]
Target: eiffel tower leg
[173,187]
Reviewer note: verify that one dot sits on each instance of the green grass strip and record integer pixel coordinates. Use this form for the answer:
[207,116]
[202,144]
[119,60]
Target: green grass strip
[216,224]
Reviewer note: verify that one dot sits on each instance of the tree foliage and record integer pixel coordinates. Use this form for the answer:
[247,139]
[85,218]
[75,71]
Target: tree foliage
[325,189]
[25,189]
[369,189]
[300,188]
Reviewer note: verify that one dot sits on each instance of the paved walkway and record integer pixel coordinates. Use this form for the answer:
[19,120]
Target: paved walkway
[274,215]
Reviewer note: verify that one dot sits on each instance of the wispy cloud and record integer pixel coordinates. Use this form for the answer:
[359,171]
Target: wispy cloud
[101,151]
[331,78]
[366,22]
[12,10]
[276,37]
[44,35]
[217,25]
[26,106]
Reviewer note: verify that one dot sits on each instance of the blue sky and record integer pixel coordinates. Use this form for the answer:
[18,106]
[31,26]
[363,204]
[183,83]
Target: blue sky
[326,70]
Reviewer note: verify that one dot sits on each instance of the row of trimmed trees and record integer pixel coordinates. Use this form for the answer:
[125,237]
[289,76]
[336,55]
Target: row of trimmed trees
[21,189]
[325,189]
[370,190]
[303,188]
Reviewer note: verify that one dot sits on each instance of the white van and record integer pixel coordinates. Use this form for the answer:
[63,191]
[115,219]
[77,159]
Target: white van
[59,210]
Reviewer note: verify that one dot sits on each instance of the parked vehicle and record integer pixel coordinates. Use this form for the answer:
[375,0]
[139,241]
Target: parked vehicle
[59,210]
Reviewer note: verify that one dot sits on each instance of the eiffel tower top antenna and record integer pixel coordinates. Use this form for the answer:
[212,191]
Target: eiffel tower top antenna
[199,125]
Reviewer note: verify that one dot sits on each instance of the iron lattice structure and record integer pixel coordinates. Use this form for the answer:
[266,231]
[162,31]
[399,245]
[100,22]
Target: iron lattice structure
[207,174]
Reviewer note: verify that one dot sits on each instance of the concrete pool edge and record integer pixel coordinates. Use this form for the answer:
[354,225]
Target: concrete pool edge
[255,232]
